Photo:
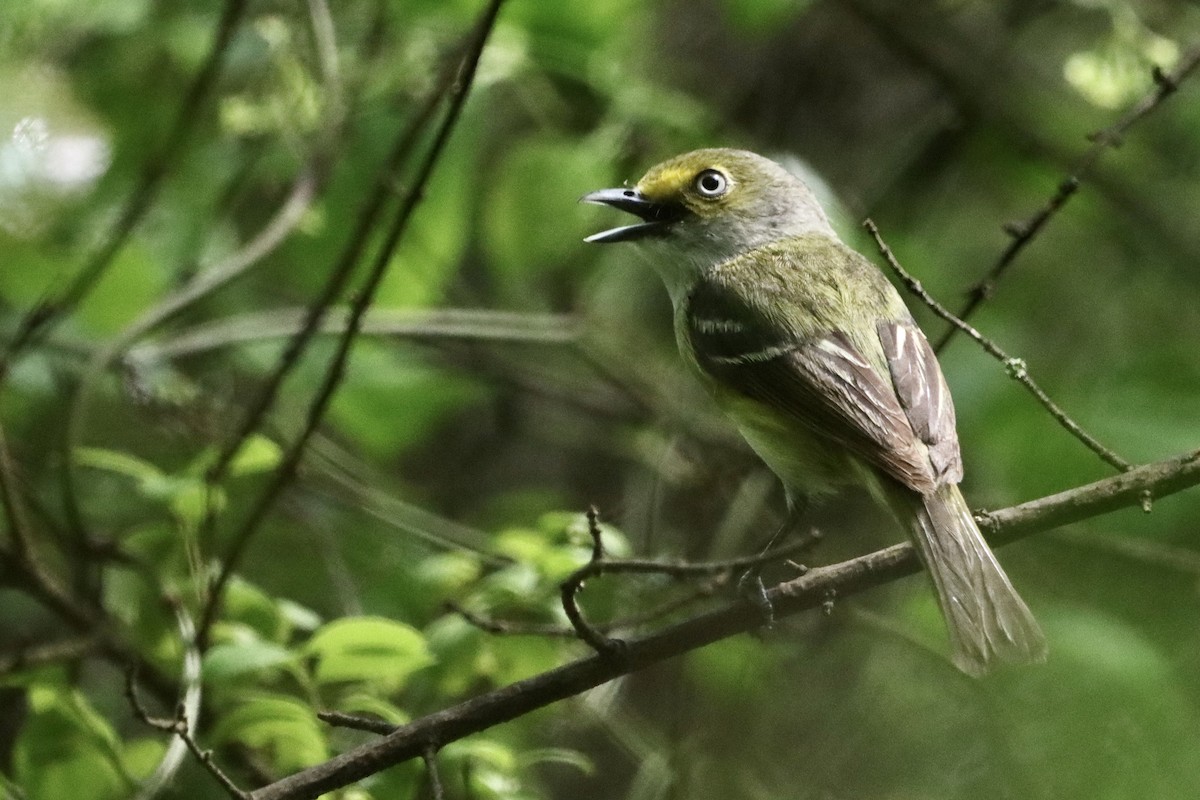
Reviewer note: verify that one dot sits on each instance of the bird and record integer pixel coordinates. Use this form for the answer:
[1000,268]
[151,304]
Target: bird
[811,352]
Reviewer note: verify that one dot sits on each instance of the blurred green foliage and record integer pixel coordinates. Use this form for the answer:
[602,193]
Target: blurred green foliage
[454,467]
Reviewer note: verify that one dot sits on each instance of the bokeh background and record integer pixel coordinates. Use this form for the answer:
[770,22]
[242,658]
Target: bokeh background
[511,375]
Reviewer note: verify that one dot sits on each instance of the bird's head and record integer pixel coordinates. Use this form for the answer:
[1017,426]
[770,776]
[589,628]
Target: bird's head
[708,205]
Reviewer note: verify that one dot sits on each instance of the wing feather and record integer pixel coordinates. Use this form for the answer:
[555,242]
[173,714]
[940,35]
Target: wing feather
[823,383]
[923,394]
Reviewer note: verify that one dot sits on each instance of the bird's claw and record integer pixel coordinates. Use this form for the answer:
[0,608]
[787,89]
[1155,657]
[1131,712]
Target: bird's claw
[751,587]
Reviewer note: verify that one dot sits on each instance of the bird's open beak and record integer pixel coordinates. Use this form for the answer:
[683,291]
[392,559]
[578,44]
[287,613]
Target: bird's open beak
[655,216]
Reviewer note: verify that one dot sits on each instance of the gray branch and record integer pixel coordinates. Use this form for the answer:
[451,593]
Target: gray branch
[811,590]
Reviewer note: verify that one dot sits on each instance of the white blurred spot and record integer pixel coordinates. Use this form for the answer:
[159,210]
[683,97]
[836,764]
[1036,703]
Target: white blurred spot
[41,168]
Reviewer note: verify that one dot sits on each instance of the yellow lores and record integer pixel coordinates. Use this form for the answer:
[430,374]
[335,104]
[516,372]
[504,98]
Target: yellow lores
[812,353]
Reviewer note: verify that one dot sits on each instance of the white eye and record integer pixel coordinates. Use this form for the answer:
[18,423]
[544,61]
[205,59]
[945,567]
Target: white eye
[711,183]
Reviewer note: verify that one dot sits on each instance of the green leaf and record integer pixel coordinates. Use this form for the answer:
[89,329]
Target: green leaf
[130,285]
[190,500]
[428,258]
[538,550]
[257,454]
[519,585]
[71,709]
[299,617]
[491,767]
[66,750]
[565,37]
[374,650]
[231,660]
[450,572]
[391,401]
[512,658]
[187,496]
[283,728]
[558,755]
[457,646]
[142,756]
[762,16]
[532,219]
[248,605]
[119,463]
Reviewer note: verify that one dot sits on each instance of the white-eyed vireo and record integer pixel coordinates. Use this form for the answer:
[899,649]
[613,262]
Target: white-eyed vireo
[812,353]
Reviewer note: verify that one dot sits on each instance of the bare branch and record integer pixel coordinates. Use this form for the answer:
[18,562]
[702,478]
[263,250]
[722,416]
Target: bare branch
[188,708]
[406,141]
[1022,233]
[436,791]
[179,727]
[357,722]
[27,562]
[600,564]
[459,88]
[509,628]
[1132,488]
[34,578]
[1016,367]
[273,234]
[48,653]
[808,591]
[42,317]
[474,324]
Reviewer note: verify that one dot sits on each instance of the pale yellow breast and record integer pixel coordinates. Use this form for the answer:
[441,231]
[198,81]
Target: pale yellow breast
[802,459]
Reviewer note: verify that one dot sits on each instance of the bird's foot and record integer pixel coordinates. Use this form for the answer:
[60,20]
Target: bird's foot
[750,586]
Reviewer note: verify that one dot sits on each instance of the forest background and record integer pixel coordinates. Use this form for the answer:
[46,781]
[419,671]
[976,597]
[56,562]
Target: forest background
[309,382]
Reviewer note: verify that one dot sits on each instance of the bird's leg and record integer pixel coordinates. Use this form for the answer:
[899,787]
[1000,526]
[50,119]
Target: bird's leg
[750,584]
[796,506]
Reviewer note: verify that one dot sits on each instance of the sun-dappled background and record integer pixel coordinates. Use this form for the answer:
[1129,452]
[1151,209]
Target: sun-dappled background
[178,182]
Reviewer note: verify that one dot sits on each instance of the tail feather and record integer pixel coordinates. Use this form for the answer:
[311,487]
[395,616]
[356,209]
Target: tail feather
[987,620]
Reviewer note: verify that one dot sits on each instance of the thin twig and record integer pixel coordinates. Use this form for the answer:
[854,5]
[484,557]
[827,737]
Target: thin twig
[179,727]
[271,236]
[340,719]
[570,587]
[596,533]
[510,628]
[464,77]
[809,591]
[431,772]
[37,655]
[325,36]
[574,582]
[188,707]
[41,583]
[337,281]
[305,188]
[1016,367]
[328,460]
[42,317]
[470,324]
[599,565]
[46,589]
[1022,233]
